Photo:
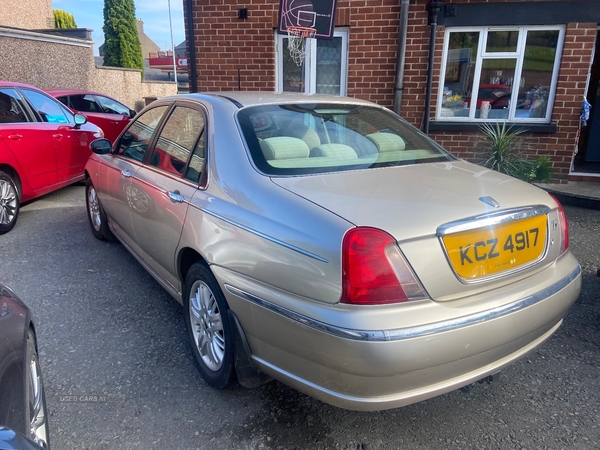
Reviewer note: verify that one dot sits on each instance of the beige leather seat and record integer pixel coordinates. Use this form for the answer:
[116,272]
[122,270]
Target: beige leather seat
[387,142]
[340,152]
[300,131]
[283,147]
[390,146]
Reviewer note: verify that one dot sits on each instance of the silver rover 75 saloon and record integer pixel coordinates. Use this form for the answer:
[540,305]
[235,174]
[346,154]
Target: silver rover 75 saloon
[326,243]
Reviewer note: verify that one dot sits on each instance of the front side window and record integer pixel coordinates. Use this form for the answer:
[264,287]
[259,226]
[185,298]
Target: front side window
[499,74]
[134,142]
[48,109]
[322,71]
[12,109]
[297,139]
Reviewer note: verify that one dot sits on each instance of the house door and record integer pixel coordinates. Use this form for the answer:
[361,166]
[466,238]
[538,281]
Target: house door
[589,144]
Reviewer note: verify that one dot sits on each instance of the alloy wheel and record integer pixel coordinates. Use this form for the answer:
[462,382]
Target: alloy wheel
[207,325]
[94,208]
[8,202]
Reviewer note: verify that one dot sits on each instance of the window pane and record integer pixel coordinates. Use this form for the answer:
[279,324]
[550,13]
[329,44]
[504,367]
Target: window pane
[495,88]
[293,75]
[83,103]
[134,142]
[538,64]
[12,109]
[502,41]
[111,106]
[460,69]
[177,139]
[329,66]
[294,139]
[48,108]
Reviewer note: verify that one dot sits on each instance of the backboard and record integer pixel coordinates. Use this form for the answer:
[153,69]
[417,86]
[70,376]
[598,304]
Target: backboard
[317,14]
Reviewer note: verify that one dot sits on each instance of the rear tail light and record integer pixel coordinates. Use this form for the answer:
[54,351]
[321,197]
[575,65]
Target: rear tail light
[374,270]
[564,227]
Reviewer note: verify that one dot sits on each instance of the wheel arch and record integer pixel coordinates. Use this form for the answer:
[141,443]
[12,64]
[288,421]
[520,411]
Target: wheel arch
[14,174]
[187,258]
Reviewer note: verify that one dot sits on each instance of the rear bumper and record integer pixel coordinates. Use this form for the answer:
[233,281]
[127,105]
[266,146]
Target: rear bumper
[380,369]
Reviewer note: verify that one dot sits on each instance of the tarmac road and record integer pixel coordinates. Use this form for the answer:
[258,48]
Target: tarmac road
[119,373]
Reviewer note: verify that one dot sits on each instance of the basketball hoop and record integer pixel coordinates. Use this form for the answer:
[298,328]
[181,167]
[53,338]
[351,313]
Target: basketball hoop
[299,39]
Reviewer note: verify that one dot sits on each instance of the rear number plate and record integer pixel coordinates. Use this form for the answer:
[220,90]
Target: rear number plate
[489,250]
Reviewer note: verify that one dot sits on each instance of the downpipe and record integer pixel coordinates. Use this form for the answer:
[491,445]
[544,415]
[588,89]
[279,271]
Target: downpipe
[401,60]
[434,8]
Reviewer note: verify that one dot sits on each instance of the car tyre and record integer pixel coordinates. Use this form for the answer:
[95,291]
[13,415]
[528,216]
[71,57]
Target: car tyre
[9,203]
[96,214]
[36,399]
[209,329]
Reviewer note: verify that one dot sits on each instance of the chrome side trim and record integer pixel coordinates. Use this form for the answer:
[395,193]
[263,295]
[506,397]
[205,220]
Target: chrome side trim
[398,334]
[493,218]
[266,236]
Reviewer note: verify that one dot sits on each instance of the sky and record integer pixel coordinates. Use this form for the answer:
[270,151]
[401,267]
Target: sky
[154,14]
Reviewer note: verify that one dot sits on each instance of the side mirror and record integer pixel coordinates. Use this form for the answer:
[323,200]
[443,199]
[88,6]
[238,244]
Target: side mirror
[101,146]
[11,440]
[80,119]
[132,113]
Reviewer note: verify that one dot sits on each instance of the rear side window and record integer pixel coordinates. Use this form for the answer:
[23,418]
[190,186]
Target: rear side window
[177,141]
[295,139]
[83,103]
[110,106]
[134,142]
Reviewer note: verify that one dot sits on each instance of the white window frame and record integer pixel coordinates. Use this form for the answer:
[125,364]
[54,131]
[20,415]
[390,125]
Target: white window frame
[310,62]
[518,55]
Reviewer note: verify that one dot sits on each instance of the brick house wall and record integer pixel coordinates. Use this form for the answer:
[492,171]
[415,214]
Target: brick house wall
[225,45]
[574,68]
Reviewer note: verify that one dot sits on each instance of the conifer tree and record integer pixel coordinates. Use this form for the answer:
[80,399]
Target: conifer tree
[122,47]
[63,19]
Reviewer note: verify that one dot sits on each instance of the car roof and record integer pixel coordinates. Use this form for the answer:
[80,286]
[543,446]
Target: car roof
[253,98]
[55,92]
[14,83]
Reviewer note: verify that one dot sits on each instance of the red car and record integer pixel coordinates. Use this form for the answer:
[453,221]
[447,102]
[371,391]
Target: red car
[498,95]
[43,147]
[106,112]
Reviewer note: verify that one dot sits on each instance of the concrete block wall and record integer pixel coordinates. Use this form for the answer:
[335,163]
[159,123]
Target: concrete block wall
[28,14]
[57,62]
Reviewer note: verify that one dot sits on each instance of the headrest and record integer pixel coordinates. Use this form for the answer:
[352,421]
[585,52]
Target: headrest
[387,142]
[283,147]
[339,151]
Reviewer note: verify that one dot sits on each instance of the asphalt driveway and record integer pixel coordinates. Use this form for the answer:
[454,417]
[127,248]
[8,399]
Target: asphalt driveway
[119,373]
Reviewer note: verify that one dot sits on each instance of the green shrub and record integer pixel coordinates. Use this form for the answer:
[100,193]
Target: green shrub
[504,143]
[63,19]
[122,47]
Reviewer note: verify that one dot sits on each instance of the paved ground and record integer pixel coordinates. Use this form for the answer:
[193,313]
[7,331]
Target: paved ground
[119,372]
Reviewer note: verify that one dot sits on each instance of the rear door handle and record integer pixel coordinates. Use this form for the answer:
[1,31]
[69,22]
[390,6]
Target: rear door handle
[176,197]
[57,136]
[15,137]
[126,173]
